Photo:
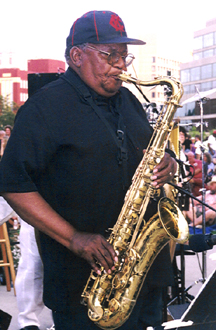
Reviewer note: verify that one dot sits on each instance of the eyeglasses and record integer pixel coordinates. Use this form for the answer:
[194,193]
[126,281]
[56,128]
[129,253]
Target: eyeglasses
[114,57]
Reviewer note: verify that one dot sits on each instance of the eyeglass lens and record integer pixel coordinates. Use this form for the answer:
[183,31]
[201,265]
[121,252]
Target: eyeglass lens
[114,57]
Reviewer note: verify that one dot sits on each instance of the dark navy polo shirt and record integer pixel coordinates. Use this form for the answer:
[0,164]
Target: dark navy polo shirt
[61,148]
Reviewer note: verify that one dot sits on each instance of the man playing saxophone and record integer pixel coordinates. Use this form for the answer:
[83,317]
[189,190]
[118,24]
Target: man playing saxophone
[71,185]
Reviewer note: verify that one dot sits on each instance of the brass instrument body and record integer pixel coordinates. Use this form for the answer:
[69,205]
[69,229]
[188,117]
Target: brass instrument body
[111,298]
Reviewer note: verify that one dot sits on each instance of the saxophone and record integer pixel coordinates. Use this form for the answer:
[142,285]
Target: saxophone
[110,298]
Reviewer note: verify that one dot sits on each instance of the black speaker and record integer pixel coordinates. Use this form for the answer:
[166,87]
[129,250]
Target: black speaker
[38,80]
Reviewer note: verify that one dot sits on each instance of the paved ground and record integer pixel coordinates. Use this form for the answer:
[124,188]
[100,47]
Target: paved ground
[193,273]
[8,304]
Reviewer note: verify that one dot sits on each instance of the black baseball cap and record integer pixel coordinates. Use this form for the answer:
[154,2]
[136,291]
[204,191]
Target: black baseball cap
[99,27]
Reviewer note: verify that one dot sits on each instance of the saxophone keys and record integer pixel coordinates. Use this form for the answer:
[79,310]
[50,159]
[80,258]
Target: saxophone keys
[114,305]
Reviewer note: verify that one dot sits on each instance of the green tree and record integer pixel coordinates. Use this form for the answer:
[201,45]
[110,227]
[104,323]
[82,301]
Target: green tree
[7,112]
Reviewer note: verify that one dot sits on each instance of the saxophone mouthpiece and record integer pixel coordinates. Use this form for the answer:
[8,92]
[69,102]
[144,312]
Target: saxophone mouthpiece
[127,78]
[123,77]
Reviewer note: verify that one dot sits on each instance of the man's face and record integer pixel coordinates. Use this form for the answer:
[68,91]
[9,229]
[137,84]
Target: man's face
[97,73]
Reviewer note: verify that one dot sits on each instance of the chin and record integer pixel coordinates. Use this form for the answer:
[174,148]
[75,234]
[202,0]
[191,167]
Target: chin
[112,90]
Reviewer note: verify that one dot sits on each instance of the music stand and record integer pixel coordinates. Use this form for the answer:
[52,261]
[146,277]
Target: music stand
[203,307]
[201,312]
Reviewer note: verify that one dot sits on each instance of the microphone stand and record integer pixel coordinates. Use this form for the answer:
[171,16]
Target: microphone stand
[191,195]
[203,190]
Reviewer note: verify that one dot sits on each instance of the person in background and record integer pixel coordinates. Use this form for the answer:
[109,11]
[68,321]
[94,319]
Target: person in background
[29,280]
[208,167]
[205,145]
[187,143]
[182,138]
[193,144]
[212,143]
[197,145]
[71,185]
[8,130]
[196,181]
[29,277]
[2,135]
[194,215]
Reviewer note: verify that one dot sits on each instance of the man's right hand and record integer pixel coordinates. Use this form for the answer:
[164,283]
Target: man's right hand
[95,249]
[33,209]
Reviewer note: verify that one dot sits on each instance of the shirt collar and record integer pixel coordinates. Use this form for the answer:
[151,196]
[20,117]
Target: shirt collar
[114,101]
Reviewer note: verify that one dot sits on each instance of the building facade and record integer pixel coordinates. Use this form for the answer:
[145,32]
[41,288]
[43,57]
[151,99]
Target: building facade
[199,76]
[14,82]
[45,66]
[13,86]
[152,60]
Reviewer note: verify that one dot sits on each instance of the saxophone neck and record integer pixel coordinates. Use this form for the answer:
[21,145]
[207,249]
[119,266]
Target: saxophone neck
[175,85]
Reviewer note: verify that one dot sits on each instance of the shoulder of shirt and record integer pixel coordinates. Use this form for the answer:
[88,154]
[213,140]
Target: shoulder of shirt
[52,90]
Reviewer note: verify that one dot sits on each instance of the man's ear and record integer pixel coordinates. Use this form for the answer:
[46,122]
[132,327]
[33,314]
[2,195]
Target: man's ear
[76,56]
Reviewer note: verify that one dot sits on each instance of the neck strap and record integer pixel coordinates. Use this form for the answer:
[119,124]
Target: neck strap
[119,137]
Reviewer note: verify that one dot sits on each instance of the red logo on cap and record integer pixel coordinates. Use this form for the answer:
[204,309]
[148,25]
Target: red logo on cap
[116,22]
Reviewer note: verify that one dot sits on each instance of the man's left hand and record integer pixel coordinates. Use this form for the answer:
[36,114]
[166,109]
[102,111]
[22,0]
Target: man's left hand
[164,172]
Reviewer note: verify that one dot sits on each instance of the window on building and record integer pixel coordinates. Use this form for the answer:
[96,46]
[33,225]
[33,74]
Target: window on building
[214,70]
[197,43]
[208,53]
[187,89]
[192,89]
[206,71]
[197,56]
[195,74]
[206,86]
[153,94]
[7,90]
[153,59]
[208,40]
[185,76]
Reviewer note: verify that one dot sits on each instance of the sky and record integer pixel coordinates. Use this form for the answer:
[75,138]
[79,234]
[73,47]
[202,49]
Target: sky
[38,29]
